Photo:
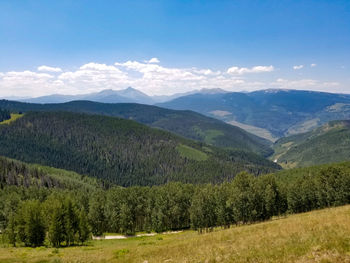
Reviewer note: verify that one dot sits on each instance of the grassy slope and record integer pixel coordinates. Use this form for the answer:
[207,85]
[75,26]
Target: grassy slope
[185,123]
[318,236]
[14,116]
[329,143]
[191,153]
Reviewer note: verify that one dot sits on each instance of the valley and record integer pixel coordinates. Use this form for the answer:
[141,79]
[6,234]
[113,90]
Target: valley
[139,171]
[326,144]
[174,131]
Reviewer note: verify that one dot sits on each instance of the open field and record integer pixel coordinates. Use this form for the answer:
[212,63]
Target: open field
[319,236]
[14,116]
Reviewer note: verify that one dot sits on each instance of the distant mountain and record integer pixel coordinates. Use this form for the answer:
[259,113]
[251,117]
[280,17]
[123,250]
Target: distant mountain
[105,96]
[128,95]
[268,113]
[165,98]
[326,144]
[185,123]
[121,151]
[55,98]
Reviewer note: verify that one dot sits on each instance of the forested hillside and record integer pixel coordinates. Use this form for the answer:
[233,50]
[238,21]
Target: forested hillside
[121,151]
[185,123]
[326,144]
[246,199]
[16,173]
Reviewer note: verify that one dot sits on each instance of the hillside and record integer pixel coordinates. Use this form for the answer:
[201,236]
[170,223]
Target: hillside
[16,173]
[276,113]
[326,144]
[185,123]
[318,236]
[120,151]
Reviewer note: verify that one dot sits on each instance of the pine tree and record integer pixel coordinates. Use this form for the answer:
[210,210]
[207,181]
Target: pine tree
[57,227]
[70,222]
[35,225]
[83,230]
[11,230]
[97,215]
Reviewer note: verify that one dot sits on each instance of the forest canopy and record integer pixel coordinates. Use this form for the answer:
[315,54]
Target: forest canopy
[76,213]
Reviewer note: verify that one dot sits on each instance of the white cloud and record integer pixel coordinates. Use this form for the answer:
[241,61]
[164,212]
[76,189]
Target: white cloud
[24,83]
[98,67]
[49,69]
[256,69]
[153,60]
[151,78]
[313,65]
[298,67]
[306,84]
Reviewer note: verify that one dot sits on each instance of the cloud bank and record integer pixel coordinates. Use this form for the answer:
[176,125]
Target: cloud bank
[147,76]
[49,69]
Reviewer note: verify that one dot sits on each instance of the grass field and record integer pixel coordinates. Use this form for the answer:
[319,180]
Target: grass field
[14,116]
[191,153]
[319,236]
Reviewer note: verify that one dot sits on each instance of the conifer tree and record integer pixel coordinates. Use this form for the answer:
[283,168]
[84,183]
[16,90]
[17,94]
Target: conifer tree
[83,229]
[97,217]
[11,230]
[57,226]
[35,225]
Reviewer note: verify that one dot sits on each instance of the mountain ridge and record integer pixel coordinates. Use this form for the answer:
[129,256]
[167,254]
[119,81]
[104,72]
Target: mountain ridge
[281,112]
[121,151]
[188,124]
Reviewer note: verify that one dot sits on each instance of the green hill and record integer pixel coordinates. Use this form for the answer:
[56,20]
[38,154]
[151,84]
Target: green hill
[121,151]
[326,144]
[185,123]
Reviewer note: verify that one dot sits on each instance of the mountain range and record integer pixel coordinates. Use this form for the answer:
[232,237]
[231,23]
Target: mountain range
[268,113]
[128,95]
[306,125]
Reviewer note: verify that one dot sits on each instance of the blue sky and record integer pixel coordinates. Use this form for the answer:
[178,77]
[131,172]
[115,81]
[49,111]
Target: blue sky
[182,35]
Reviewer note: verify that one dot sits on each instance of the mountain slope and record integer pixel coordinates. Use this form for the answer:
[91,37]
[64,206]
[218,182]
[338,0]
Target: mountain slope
[120,151]
[281,112]
[326,144]
[185,123]
[16,173]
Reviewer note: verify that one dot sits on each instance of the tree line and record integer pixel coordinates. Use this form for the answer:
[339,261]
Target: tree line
[4,115]
[34,216]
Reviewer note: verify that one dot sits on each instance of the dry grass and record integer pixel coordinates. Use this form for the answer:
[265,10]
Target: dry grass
[14,116]
[319,236]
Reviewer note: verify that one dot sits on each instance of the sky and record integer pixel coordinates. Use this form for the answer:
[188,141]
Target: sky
[166,47]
